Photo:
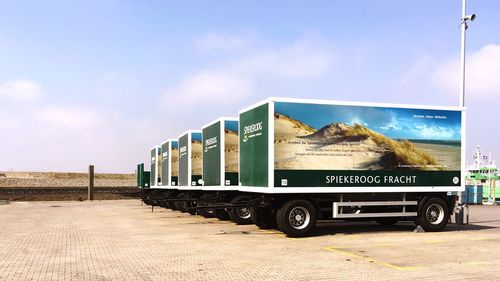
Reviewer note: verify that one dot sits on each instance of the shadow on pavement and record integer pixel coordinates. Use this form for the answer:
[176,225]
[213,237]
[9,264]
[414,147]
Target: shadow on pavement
[332,228]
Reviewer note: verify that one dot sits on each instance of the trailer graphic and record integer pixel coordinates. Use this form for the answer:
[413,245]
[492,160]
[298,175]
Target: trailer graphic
[298,161]
[317,145]
[169,163]
[190,159]
[220,153]
[155,179]
[174,163]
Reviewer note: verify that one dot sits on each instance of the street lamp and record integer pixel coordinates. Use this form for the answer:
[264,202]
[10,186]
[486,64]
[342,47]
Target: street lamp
[463,26]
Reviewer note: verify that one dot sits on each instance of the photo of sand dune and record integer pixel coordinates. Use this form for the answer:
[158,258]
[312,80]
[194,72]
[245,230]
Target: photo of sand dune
[196,154]
[175,162]
[231,151]
[158,163]
[339,146]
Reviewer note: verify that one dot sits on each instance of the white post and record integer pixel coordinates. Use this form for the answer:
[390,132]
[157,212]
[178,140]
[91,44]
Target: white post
[463,27]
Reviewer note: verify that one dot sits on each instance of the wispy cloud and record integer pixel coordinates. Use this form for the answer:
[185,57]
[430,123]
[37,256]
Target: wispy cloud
[70,117]
[482,70]
[217,41]
[210,88]
[231,81]
[21,90]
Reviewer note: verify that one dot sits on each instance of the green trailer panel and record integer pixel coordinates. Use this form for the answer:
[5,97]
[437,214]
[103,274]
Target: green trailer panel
[165,158]
[184,160]
[211,155]
[254,146]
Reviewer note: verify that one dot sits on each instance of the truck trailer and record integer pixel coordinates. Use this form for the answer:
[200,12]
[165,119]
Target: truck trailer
[220,196]
[190,171]
[307,160]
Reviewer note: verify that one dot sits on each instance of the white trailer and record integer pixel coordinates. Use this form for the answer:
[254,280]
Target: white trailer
[309,160]
[220,197]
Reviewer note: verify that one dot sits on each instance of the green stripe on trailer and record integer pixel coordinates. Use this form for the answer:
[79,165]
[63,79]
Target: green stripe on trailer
[345,178]
[165,161]
[211,155]
[254,146]
[220,153]
[184,160]
[153,167]
[174,163]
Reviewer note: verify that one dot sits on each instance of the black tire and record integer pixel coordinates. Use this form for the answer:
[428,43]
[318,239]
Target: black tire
[296,218]
[433,214]
[207,213]
[221,214]
[172,204]
[189,206]
[240,215]
[387,221]
[264,218]
[168,204]
[178,204]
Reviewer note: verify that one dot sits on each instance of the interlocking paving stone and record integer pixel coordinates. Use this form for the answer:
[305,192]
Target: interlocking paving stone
[124,240]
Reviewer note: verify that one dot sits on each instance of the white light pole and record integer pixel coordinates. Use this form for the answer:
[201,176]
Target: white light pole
[464,20]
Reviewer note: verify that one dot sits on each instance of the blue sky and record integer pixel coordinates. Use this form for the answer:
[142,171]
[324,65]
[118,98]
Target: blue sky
[231,125]
[101,82]
[196,137]
[175,144]
[396,123]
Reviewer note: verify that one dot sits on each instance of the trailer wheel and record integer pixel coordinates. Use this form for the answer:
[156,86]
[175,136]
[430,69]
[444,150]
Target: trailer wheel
[189,206]
[240,215]
[296,218]
[434,214]
[178,204]
[172,205]
[264,218]
[221,214]
[207,213]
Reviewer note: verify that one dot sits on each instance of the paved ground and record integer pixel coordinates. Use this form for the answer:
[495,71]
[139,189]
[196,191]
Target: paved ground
[122,240]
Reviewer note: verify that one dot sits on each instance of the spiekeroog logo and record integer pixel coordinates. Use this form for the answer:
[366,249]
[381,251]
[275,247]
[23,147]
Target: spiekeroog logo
[183,151]
[210,143]
[252,130]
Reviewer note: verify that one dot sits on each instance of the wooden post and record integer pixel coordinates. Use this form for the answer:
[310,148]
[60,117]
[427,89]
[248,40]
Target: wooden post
[91,183]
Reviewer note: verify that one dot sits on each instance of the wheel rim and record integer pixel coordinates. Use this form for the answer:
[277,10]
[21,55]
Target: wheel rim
[243,213]
[299,217]
[434,214]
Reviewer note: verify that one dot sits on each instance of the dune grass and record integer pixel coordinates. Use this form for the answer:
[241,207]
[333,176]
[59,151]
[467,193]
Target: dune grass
[405,152]
[296,123]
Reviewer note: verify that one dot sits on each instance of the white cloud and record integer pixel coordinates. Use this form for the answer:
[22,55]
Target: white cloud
[208,88]
[435,132]
[21,90]
[69,138]
[482,73]
[70,117]
[232,81]
[224,42]
[301,60]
